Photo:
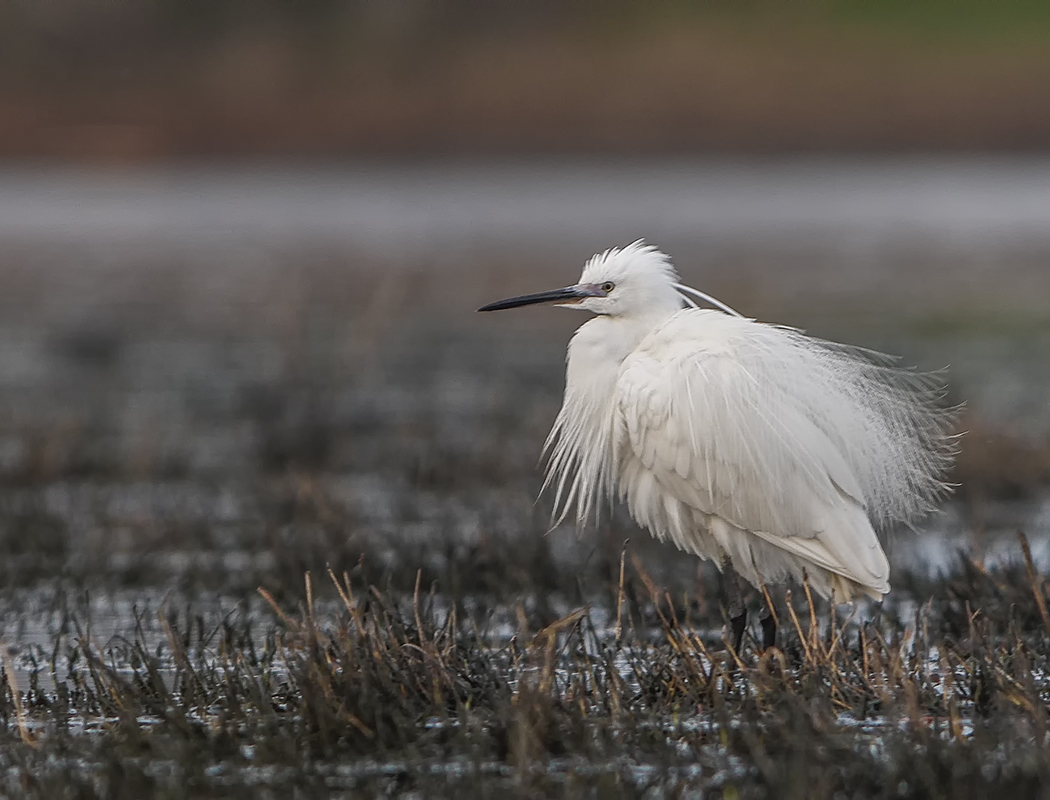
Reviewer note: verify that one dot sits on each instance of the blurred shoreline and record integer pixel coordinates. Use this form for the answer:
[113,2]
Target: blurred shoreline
[113,83]
[901,236]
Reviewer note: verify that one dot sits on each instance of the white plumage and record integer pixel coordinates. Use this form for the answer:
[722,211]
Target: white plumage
[734,438]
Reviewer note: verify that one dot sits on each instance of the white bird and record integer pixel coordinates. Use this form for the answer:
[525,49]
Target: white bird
[750,444]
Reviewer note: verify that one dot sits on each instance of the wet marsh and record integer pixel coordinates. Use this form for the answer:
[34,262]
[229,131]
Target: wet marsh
[269,528]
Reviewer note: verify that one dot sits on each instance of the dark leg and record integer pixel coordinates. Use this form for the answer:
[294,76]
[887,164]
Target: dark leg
[769,629]
[876,618]
[737,609]
[739,623]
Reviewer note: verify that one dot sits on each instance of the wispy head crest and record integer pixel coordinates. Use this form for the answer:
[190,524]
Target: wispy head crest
[638,257]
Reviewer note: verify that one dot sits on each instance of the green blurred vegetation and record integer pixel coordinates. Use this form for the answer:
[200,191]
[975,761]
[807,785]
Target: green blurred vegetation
[962,21]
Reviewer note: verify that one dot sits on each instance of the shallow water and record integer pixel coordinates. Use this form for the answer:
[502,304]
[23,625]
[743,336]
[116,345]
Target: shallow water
[397,208]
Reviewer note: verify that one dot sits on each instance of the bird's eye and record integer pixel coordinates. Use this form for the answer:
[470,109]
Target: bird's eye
[608,286]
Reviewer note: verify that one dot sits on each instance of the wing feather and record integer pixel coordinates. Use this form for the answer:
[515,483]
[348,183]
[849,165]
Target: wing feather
[709,405]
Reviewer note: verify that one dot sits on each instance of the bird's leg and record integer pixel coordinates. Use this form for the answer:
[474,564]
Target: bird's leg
[768,620]
[736,607]
[739,623]
[769,628]
[876,618]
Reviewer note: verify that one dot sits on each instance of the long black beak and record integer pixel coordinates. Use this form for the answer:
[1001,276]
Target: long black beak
[570,294]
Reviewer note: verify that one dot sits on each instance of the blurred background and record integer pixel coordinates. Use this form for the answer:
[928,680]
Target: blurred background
[241,246]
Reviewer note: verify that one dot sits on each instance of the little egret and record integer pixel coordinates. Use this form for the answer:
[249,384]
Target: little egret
[771,452]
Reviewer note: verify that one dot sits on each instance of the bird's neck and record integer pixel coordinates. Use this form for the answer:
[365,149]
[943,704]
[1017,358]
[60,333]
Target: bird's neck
[600,345]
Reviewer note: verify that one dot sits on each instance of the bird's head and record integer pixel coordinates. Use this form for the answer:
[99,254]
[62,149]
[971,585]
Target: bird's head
[636,280]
